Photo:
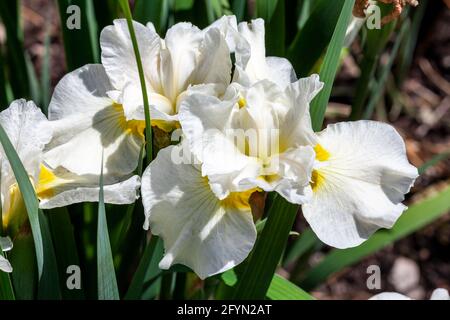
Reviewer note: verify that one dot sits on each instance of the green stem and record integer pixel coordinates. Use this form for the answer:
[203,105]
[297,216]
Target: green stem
[148,127]
[166,286]
[255,280]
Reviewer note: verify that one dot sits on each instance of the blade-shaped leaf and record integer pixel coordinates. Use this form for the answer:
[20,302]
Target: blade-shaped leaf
[330,65]
[106,275]
[28,195]
[81,44]
[255,280]
[311,41]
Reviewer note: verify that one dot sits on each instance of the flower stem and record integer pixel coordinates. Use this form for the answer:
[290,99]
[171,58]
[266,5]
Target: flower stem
[255,280]
[148,127]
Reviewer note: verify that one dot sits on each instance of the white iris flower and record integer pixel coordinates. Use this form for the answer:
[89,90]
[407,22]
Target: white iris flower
[359,181]
[187,56]
[26,127]
[438,294]
[86,123]
[254,137]
[200,231]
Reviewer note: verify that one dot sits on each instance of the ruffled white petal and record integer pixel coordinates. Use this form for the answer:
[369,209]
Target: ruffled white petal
[65,188]
[5,244]
[118,54]
[27,129]
[85,121]
[440,294]
[251,62]
[360,187]
[200,231]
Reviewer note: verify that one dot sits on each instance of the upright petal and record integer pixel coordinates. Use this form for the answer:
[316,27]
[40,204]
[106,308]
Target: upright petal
[200,231]
[362,178]
[118,54]
[179,58]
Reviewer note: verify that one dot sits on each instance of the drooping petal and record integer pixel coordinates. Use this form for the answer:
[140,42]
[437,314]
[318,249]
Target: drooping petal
[5,266]
[118,54]
[5,244]
[85,121]
[360,183]
[27,129]
[59,188]
[200,231]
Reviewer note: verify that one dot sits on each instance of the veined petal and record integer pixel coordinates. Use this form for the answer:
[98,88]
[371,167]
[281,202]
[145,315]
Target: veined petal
[5,266]
[5,244]
[214,65]
[27,129]
[59,188]
[179,58]
[200,231]
[362,178]
[118,55]
[296,128]
[85,121]
[251,62]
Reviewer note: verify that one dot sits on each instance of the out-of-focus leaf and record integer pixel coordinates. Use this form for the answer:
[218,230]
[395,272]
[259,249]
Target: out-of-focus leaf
[137,284]
[378,89]
[48,285]
[238,8]
[434,161]
[275,29]
[266,8]
[65,248]
[413,219]
[81,45]
[306,241]
[311,41]
[17,68]
[156,11]
[45,74]
[375,43]
[330,65]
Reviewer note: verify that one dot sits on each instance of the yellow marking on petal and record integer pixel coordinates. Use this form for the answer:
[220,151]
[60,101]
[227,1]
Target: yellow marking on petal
[46,183]
[239,200]
[167,126]
[15,214]
[321,153]
[242,102]
[317,180]
[134,127]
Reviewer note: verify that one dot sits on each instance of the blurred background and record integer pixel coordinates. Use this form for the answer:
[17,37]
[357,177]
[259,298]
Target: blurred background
[402,78]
